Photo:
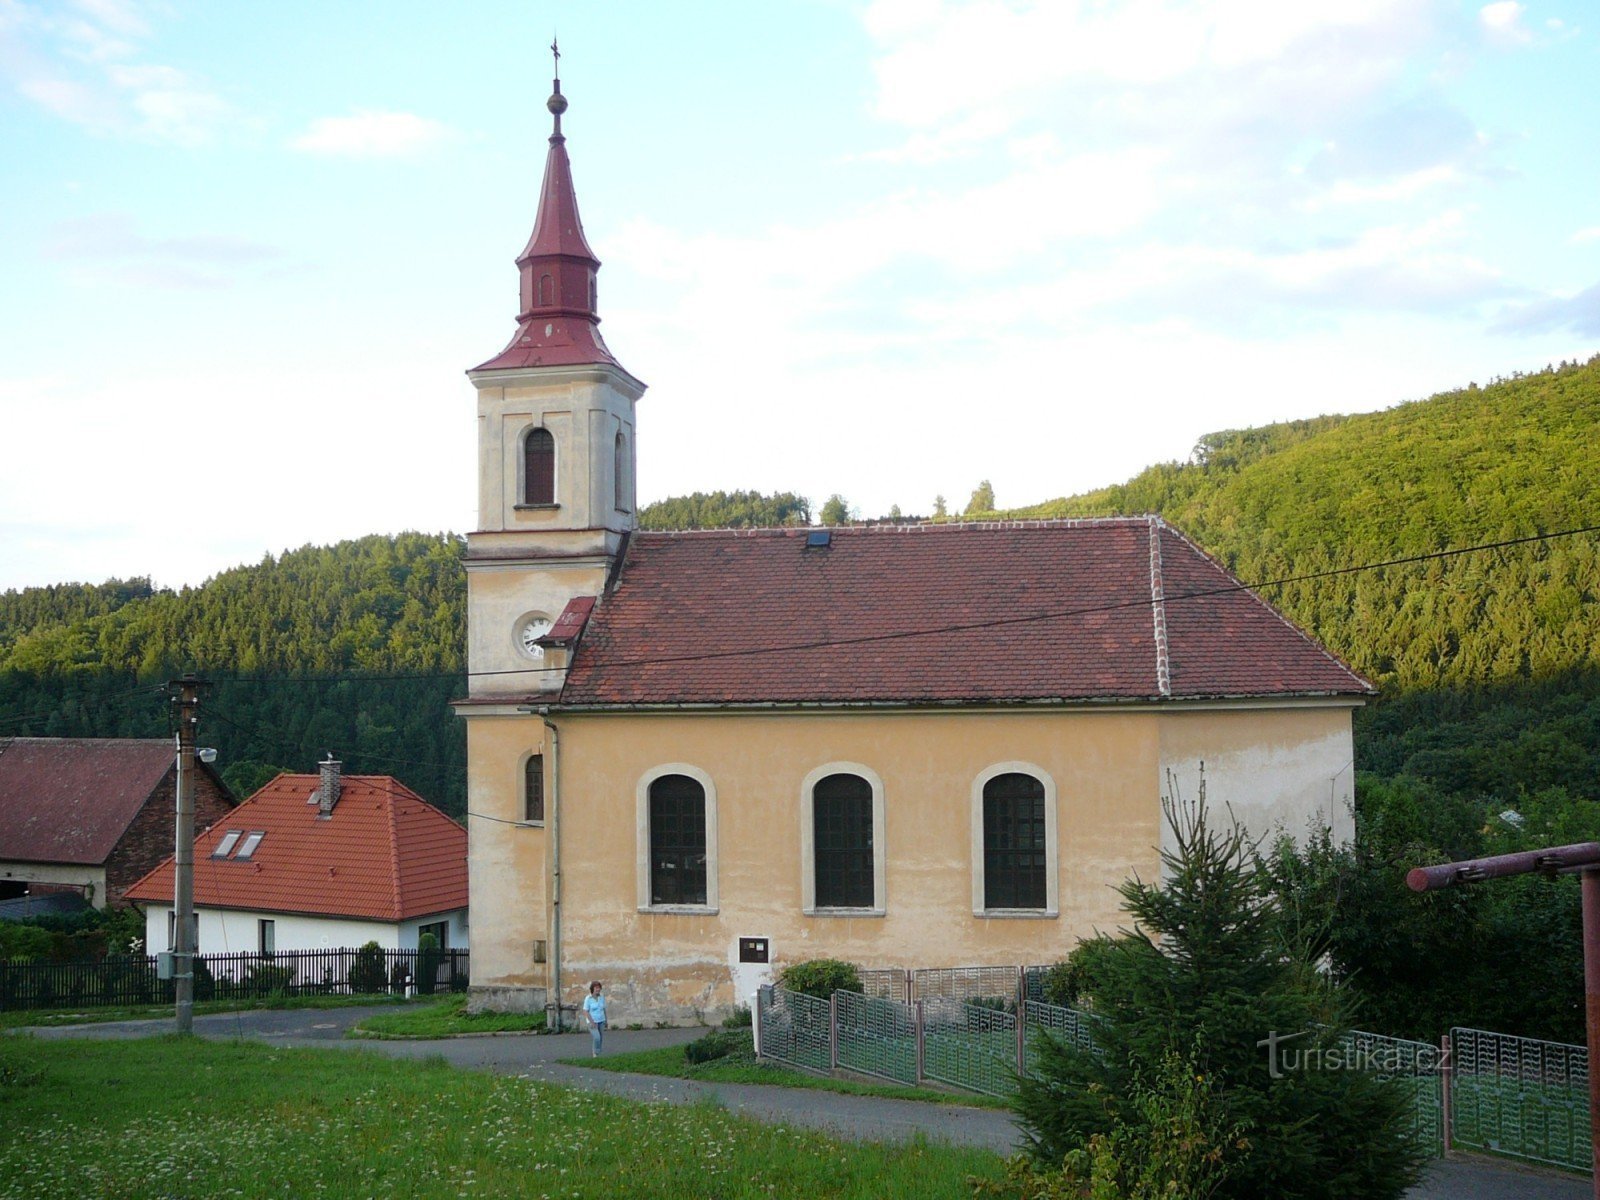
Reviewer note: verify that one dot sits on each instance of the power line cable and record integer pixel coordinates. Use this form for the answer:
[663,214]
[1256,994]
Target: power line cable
[965,626]
[926,631]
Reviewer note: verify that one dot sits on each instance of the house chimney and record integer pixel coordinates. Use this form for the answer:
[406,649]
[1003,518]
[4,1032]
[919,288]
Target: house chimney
[328,792]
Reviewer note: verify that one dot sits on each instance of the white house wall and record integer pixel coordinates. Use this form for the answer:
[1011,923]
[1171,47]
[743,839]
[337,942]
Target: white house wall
[1284,770]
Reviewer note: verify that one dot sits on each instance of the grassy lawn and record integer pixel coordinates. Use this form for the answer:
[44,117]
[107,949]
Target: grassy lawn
[171,1117]
[745,1068]
[23,1018]
[445,1018]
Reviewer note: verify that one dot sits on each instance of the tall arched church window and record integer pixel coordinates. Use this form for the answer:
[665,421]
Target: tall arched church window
[533,789]
[1014,846]
[677,840]
[841,809]
[539,467]
[619,472]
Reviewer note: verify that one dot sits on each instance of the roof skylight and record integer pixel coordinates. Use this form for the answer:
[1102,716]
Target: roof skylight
[226,845]
[250,844]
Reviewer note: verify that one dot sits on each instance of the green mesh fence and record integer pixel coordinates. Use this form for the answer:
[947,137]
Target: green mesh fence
[877,1037]
[794,1028]
[1414,1066]
[1521,1097]
[965,983]
[970,1046]
[1064,1024]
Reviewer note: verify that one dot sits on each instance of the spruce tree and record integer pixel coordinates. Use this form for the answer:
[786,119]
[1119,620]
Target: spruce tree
[1204,975]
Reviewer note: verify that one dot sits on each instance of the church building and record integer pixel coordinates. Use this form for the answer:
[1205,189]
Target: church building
[694,757]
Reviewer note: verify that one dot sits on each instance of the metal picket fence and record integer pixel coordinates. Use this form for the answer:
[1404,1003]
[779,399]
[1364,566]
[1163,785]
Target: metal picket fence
[876,1037]
[794,1028]
[1515,1096]
[1520,1097]
[133,979]
[1066,1024]
[964,983]
[1415,1066]
[970,1046]
[886,983]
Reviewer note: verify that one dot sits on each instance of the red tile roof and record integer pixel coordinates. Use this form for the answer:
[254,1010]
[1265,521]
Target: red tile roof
[1111,609]
[384,854]
[70,800]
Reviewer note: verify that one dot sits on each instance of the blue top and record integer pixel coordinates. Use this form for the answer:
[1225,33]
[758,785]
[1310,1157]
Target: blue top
[594,1008]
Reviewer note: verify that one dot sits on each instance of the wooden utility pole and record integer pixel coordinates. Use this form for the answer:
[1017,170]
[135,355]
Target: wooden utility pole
[187,702]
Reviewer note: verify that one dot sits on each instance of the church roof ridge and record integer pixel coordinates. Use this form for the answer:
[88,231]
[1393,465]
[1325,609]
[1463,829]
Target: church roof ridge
[927,527]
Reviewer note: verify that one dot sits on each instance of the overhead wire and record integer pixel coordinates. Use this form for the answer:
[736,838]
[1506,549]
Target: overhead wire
[897,635]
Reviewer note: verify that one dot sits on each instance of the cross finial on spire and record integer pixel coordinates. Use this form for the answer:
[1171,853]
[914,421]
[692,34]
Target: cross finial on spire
[557,103]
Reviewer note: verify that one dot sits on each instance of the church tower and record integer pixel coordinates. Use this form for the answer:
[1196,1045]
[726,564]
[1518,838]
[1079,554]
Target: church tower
[556,452]
[556,455]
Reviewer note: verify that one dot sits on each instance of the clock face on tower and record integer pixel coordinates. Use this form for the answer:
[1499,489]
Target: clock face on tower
[529,634]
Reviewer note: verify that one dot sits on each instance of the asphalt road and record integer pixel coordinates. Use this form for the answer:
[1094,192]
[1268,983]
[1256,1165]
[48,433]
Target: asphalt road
[860,1118]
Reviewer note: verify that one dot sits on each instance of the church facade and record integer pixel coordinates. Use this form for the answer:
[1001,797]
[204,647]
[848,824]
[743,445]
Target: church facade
[694,757]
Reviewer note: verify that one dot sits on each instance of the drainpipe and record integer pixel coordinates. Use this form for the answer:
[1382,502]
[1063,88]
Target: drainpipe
[555,860]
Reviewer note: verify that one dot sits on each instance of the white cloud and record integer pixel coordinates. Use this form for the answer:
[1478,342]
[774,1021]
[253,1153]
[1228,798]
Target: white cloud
[1591,234]
[84,65]
[372,134]
[1502,21]
[108,245]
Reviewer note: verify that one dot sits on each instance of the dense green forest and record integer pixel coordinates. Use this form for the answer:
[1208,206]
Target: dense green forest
[356,648]
[1489,662]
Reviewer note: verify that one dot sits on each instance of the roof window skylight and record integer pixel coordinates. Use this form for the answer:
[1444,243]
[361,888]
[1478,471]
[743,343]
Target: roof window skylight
[250,844]
[226,845]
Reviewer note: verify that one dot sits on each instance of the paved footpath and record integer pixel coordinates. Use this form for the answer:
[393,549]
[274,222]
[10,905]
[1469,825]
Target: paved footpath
[861,1118]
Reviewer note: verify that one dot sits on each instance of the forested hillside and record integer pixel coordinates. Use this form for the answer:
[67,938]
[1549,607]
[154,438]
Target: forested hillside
[355,648]
[1487,661]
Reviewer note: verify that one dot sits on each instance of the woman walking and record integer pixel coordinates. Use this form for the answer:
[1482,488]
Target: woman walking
[594,1008]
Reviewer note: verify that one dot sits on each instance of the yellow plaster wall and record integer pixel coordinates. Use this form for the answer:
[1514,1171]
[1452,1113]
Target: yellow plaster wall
[1108,768]
[507,882]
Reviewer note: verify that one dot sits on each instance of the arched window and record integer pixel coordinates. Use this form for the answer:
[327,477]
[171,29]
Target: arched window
[539,467]
[841,813]
[533,789]
[677,840]
[594,294]
[546,290]
[619,472]
[1015,858]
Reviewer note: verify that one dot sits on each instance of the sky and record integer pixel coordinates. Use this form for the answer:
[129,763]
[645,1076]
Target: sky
[886,249]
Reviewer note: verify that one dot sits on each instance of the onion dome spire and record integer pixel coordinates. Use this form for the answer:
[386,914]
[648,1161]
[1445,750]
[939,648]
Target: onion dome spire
[557,321]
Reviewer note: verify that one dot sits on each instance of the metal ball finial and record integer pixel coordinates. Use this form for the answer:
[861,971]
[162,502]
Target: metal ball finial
[557,103]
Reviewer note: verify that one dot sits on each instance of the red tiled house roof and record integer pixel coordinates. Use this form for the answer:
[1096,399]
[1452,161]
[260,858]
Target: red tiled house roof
[1114,609]
[383,854]
[70,800]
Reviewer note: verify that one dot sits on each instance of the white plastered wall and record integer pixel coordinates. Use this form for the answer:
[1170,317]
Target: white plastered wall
[1283,770]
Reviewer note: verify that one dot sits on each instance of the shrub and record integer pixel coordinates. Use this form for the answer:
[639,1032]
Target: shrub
[1204,976]
[398,977]
[1176,1145]
[367,973]
[820,977]
[427,964]
[739,1018]
[205,983]
[1069,983]
[719,1043]
[266,979]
